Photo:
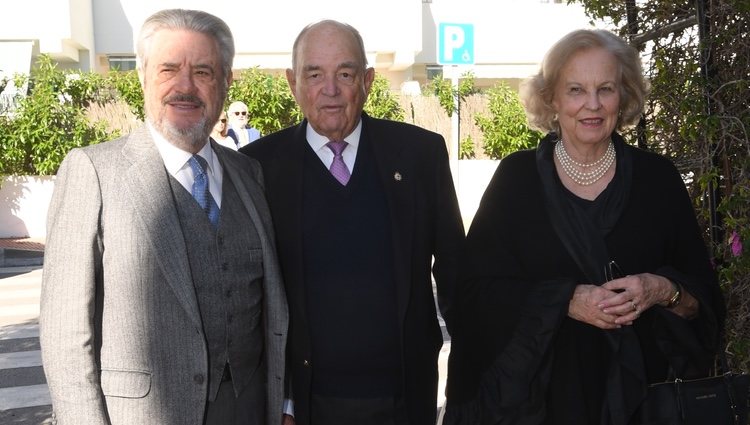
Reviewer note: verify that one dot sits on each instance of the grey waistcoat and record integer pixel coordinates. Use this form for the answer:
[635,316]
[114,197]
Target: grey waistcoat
[227,269]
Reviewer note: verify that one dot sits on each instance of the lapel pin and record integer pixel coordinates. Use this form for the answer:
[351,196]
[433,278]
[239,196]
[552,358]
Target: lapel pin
[397,176]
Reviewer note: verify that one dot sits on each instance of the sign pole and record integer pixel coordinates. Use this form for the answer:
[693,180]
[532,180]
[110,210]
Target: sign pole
[455,47]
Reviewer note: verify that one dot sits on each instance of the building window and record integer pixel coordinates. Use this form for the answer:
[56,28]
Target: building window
[121,63]
[434,71]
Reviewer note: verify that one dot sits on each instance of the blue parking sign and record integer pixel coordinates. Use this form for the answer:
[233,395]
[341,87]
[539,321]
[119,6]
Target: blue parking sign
[455,44]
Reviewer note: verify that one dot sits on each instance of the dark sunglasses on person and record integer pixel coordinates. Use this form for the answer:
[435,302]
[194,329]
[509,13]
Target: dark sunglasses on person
[243,113]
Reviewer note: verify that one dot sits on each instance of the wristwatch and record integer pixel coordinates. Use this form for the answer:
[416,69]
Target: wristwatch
[675,300]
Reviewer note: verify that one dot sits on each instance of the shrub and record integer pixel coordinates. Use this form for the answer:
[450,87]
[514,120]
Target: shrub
[128,88]
[446,93]
[269,101]
[381,103]
[466,149]
[505,129]
[49,122]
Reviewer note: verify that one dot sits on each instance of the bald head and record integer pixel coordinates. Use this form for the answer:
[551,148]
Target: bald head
[329,77]
[330,26]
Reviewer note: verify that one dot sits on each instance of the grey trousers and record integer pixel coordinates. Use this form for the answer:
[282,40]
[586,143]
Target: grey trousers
[249,408]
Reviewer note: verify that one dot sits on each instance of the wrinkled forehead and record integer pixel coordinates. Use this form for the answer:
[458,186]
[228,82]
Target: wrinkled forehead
[329,43]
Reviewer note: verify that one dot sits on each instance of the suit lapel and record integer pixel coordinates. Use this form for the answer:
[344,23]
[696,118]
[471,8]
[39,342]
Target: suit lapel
[250,194]
[397,181]
[146,182]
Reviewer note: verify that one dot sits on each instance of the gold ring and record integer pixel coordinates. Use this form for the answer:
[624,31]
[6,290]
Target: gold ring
[635,306]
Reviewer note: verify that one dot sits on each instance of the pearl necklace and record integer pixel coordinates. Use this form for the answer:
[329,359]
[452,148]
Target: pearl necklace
[592,171]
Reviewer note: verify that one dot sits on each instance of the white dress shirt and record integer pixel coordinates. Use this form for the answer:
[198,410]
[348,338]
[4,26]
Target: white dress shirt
[318,144]
[176,163]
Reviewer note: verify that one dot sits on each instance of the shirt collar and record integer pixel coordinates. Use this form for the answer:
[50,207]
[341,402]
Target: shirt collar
[318,141]
[175,158]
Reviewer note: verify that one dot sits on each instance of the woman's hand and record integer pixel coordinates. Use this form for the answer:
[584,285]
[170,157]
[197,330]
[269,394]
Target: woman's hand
[585,306]
[635,294]
[638,293]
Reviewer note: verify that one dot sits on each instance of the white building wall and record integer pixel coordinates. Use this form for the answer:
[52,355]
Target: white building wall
[60,28]
[511,36]
[265,31]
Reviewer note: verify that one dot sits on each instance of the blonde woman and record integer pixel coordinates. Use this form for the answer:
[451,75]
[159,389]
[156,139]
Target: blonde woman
[219,133]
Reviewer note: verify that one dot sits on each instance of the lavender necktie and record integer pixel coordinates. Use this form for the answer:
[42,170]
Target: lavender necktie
[200,189]
[338,167]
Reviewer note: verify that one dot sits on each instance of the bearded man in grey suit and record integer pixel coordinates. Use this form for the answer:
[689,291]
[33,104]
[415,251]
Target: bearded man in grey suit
[161,298]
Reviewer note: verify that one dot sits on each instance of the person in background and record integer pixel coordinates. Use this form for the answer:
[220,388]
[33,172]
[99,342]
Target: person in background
[219,132]
[361,207]
[239,130]
[585,276]
[162,299]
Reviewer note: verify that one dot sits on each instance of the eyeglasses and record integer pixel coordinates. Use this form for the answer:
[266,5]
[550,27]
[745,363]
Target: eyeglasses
[612,271]
[223,120]
[243,113]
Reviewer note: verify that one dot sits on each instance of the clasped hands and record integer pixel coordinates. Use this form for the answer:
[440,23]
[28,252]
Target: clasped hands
[618,302]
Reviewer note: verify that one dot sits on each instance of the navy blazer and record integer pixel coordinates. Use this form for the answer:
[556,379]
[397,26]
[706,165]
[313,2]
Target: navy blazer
[414,170]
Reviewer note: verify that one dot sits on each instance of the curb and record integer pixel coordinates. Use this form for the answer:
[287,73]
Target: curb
[20,258]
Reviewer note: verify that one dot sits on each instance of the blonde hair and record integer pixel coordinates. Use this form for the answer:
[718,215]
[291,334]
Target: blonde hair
[537,92]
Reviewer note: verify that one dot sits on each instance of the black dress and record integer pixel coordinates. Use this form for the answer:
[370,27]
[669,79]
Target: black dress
[516,357]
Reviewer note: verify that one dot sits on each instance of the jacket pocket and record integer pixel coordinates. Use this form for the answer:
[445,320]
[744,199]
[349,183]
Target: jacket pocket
[125,383]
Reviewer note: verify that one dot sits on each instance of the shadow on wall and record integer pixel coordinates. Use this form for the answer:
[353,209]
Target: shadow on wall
[23,205]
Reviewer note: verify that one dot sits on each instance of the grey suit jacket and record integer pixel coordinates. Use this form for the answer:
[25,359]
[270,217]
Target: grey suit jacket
[121,333]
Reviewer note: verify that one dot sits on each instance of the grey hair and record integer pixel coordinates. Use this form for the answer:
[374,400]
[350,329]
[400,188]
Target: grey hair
[537,92]
[190,20]
[330,22]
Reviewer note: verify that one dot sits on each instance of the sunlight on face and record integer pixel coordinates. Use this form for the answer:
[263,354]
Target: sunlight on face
[183,86]
[587,97]
[330,82]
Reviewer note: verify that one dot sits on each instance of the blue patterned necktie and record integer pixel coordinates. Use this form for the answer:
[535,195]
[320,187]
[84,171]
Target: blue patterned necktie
[200,189]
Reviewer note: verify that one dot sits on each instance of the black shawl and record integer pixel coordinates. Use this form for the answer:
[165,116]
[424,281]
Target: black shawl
[502,350]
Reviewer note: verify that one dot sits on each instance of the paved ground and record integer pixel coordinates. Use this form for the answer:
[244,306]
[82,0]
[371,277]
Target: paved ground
[24,398]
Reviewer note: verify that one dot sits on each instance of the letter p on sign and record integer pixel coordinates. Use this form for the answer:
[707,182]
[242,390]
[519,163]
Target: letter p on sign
[455,44]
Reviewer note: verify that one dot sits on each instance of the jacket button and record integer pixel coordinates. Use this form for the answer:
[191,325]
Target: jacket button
[306,363]
[198,378]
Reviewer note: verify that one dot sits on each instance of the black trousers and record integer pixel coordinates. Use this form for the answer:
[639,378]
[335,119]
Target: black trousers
[325,410]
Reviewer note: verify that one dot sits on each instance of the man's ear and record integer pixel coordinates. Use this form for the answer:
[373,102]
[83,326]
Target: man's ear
[369,78]
[292,80]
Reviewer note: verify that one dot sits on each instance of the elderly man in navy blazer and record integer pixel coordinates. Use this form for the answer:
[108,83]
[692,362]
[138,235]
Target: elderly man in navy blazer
[162,300]
[361,207]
